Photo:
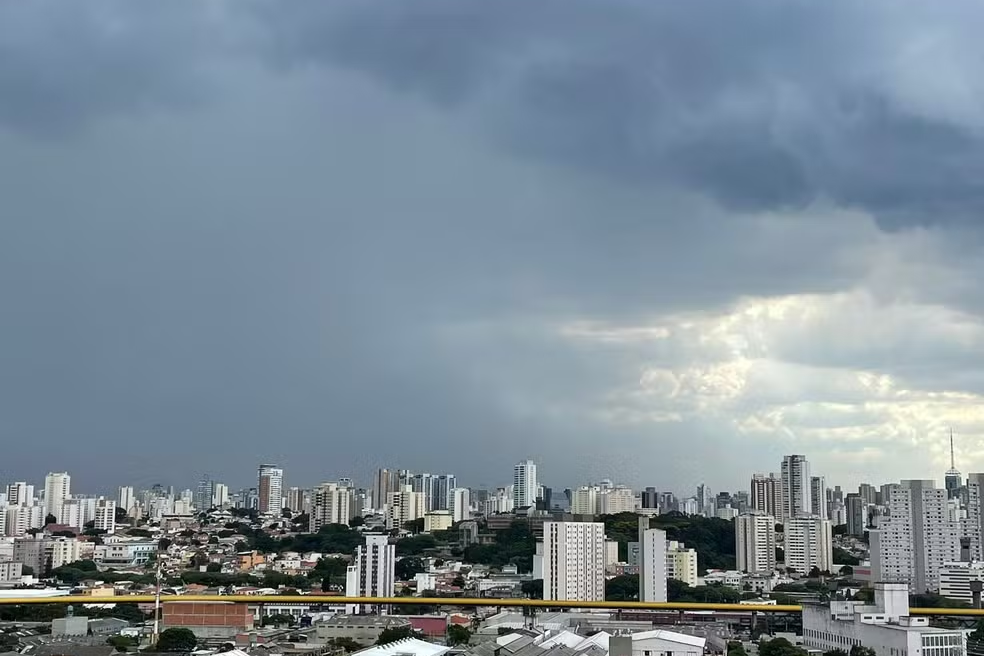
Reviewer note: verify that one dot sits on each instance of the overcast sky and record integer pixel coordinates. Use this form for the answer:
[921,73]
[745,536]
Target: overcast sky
[658,242]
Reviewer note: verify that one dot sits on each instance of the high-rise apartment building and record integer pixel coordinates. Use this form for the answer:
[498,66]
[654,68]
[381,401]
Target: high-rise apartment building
[21,519]
[755,543]
[857,514]
[372,573]
[649,499]
[220,495]
[105,516]
[299,500]
[524,484]
[795,480]
[404,506]
[766,495]
[818,497]
[615,500]
[270,488]
[807,543]
[681,563]
[442,486]
[204,493]
[20,494]
[572,561]
[57,488]
[652,562]
[127,500]
[385,483]
[916,537]
[331,503]
[584,500]
[869,494]
[460,504]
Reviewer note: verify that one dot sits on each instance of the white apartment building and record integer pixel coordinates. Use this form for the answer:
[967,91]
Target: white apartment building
[298,500]
[524,484]
[105,517]
[59,551]
[10,572]
[611,552]
[331,503]
[372,573]
[270,487]
[616,500]
[220,495]
[891,545]
[755,543]
[766,495]
[127,500]
[885,626]
[795,487]
[652,562]
[955,580]
[57,488]
[584,500]
[818,497]
[572,561]
[808,543]
[124,552]
[971,525]
[21,519]
[681,563]
[404,506]
[20,494]
[460,504]
[500,502]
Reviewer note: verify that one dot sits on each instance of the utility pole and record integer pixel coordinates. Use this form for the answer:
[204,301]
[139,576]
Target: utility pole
[157,599]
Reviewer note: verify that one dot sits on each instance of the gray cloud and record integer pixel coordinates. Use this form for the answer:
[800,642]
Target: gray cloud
[342,235]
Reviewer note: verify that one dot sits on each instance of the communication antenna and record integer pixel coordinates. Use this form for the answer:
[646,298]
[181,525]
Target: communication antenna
[952,461]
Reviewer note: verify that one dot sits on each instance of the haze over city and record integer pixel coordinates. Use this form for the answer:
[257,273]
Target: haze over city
[647,242]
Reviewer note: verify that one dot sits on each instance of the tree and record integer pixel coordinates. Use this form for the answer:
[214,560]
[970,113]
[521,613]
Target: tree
[532,589]
[163,544]
[847,570]
[845,557]
[348,644]
[414,525]
[408,567]
[177,639]
[858,650]
[977,635]
[122,643]
[389,635]
[458,635]
[780,647]
[780,555]
[213,567]
[735,648]
[814,572]
[120,515]
[835,652]
[27,570]
[622,588]
[50,519]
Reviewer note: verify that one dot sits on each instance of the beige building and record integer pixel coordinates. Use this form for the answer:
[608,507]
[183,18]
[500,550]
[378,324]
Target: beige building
[681,563]
[404,506]
[438,520]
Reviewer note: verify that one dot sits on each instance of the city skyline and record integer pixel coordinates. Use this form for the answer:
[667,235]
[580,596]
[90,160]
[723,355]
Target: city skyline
[608,238]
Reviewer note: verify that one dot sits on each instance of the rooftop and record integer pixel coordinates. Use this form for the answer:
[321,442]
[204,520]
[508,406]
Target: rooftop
[407,646]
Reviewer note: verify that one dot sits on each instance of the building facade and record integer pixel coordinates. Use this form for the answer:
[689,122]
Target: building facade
[755,543]
[572,562]
[652,562]
[808,543]
[372,573]
[57,488]
[795,487]
[270,487]
[525,484]
[681,563]
[766,495]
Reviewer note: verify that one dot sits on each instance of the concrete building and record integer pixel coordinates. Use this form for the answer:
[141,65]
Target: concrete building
[437,520]
[857,514]
[885,626]
[124,552]
[220,495]
[652,562]
[364,629]
[331,503]
[818,497]
[955,580]
[385,483]
[571,561]
[204,493]
[808,543]
[616,500]
[105,519]
[766,495]
[208,620]
[57,488]
[460,504]
[20,494]
[404,506]
[10,572]
[270,487]
[441,496]
[681,563]
[795,487]
[127,500]
[59,551]
[584,500]
[755,543]
[20,519]
[525,484]
[372,573]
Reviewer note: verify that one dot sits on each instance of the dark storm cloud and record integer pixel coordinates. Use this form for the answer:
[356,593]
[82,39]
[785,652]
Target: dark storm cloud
[760,104]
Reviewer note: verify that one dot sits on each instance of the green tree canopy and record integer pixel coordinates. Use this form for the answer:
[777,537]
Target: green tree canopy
[735,648]
[458,635]
[177,639]
[858,650]
[408,567]
[393,634]
[622,588]
[779,647]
